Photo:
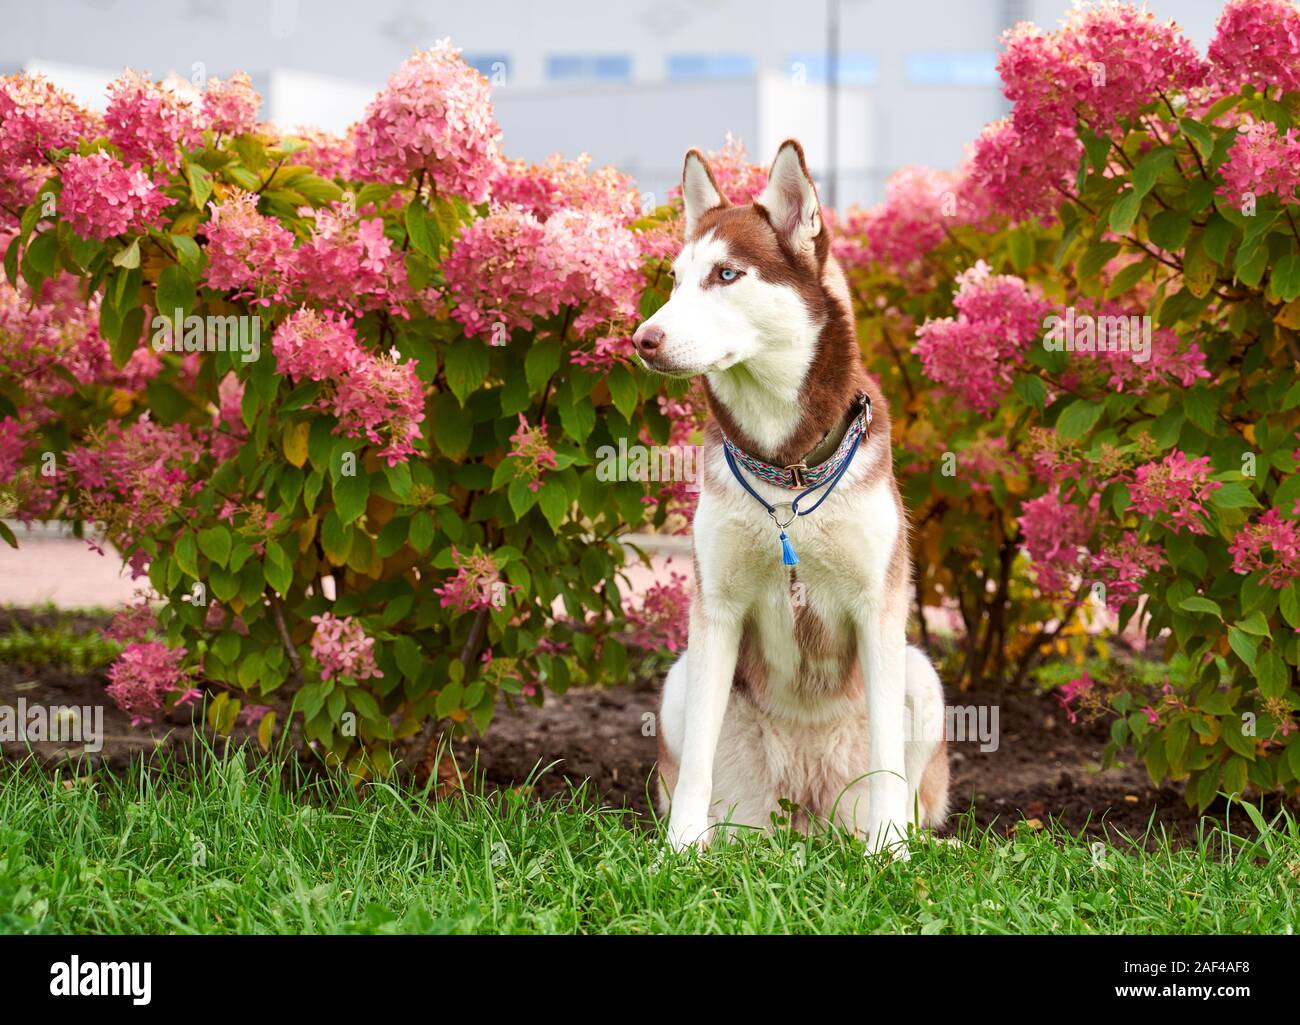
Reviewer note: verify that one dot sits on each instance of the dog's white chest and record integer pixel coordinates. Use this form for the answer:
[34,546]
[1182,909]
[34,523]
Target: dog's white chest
[800,645]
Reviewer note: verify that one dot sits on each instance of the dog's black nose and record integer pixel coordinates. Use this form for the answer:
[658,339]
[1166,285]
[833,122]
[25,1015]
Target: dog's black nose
[647,339]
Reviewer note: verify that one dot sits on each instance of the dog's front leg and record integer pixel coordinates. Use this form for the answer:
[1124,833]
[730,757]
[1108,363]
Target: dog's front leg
[882,645]
[710,665]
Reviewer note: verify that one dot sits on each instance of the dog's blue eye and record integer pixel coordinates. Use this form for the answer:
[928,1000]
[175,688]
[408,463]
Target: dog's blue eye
[727,274]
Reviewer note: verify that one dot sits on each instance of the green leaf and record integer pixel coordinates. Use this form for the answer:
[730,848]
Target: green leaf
[1198,134]
[1199,603]
[187,555]
[521,497]
[1122,283]
[1125,212]
[1030,389]
[1078,418]
[1272,674]
[452,429]
[350,495]
[409,659]
[466,363]
[175,292]
[422,230]
[1233,495]
[1150,167]
[421,532]
[40,258]
[1217,237]
[1285,277]
[1020,247]
[623,390]
[279,567]
[1169,228]
[200,185]
[214,542]
[1202,407]
[541,361]
[188,252]
[1244,645]
[553,500]
[1255,624]
[335,537]
[1094,258]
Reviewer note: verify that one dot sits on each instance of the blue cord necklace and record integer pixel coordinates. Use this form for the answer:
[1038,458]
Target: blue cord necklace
[789,556]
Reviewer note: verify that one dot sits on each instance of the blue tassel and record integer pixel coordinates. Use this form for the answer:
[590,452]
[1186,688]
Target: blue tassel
[788,555]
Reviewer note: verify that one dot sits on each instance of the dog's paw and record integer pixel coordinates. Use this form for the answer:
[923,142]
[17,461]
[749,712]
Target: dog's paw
[687,834]
[889,838]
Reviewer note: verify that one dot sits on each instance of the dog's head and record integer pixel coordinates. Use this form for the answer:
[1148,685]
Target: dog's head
[750,283]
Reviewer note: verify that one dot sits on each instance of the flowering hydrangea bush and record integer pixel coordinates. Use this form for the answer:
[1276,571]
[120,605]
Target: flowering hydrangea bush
[337,400]
[1094,339]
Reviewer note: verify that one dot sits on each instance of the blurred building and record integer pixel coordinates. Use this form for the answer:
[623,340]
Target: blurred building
[633,83]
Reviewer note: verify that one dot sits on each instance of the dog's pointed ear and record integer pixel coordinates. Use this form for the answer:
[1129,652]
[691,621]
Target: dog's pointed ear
[700,193]
[790,199]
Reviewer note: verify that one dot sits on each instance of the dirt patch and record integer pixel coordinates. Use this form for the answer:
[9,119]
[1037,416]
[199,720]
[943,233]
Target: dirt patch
[1044,768]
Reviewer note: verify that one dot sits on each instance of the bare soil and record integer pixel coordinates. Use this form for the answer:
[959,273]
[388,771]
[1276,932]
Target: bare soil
[1044,768]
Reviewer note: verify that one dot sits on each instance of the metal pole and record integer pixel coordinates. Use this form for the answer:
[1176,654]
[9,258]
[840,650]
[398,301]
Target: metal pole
[832,99]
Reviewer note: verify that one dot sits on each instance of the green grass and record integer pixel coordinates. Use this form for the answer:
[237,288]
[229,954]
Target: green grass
[109,854]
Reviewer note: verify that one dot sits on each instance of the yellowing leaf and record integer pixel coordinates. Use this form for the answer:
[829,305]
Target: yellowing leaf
[295,442]
[266,730]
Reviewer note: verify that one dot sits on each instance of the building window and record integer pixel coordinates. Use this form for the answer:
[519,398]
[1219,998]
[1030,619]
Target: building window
[686,66]
[495,67]
[588,68]
[851,68]
[978,68]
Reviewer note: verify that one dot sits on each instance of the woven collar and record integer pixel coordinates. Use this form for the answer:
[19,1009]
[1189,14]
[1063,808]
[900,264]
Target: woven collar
[798,476]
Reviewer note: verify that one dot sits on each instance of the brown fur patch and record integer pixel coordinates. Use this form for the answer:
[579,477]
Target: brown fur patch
[933,788]
[836,373]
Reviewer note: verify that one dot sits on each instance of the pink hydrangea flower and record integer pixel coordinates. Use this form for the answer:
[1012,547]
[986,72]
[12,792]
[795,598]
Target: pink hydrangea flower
[313,345]
[1257,42]
[1261,162]
[142,678]
[381,400]
[14,438]
[373,397]
[1175,488]
[1122,566]
[102,197]
[130,478]
[1023,177]
[557,184]
[975,355]
[132,623]
[534,453]
[151,123]
[231,106]
[35,118]
[509,268]
[660,619]
[1110,60]
[248,253]
[1056,534]
[350,262]
[476,584]
[342,648]
[434,116]
[330,156]
[919,209]
[1072,691]
[1271,545]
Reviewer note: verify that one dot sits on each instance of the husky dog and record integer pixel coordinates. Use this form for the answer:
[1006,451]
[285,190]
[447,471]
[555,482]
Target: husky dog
[798,682]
